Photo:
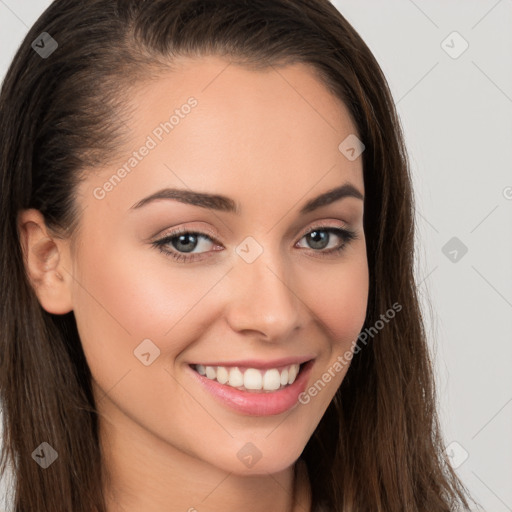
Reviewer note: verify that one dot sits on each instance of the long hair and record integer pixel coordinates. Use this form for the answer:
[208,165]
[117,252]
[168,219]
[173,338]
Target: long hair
[378,446]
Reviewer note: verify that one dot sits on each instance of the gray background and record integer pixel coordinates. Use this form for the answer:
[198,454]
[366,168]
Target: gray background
[456,111]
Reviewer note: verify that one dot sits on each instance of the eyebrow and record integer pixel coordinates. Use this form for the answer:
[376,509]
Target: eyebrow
[226,204]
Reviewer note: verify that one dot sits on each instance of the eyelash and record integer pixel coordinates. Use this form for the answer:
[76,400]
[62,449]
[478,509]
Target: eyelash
[346,235]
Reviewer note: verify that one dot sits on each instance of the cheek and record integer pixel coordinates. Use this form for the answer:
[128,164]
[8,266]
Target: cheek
[123,296]
[340,311]
[122,299]
[136,293]
[341,308]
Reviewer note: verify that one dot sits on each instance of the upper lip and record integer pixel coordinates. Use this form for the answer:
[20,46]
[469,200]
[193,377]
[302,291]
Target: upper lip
[255,363]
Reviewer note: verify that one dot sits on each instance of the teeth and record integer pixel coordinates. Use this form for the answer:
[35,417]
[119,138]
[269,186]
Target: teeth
[210,372]
[292,373]
[271,380]
[251,379]
[236,379]
[222,375]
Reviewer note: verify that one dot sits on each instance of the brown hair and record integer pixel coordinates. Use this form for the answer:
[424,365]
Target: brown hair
[378,447]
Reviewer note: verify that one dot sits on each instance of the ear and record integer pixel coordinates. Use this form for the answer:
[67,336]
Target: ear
[46,259]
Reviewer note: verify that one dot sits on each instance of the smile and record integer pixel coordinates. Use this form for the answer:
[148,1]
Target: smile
[251,379]
[254,391]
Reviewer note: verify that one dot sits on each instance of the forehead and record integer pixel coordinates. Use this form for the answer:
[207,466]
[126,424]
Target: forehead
[212,125]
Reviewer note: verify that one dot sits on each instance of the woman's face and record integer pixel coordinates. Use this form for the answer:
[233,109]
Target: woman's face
[254,287]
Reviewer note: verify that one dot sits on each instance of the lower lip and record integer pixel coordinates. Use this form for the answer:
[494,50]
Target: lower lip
[253,403]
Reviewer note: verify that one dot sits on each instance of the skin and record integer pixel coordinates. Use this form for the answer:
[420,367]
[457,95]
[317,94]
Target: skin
[269,140]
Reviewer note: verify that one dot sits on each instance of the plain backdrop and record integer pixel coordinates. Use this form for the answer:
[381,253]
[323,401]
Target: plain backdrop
[449,67]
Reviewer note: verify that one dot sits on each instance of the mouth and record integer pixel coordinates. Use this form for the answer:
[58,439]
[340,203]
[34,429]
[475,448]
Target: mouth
[252,380]
[254,391]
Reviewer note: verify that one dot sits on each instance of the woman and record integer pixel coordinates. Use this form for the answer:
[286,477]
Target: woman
[177,176]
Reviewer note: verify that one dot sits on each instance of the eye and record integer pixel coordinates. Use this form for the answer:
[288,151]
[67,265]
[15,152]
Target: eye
[320,236]
[184,242]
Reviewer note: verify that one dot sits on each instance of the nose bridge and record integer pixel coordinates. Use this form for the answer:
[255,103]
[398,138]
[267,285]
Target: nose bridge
[264,299]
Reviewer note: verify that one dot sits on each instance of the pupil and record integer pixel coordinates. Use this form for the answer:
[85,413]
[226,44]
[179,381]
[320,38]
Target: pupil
[187,245]
[315,235]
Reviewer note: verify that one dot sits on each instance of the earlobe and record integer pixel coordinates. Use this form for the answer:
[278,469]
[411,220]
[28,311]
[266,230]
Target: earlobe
[45,259]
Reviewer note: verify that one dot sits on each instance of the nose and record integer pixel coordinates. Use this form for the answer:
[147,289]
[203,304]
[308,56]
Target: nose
[262,299]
